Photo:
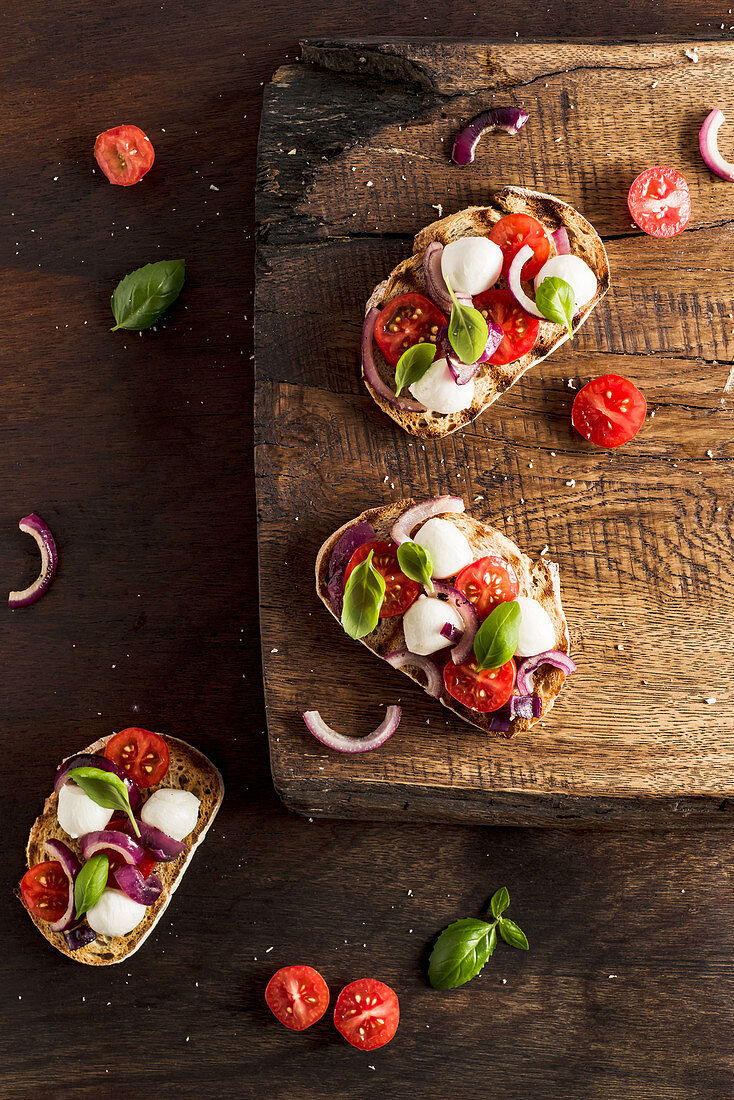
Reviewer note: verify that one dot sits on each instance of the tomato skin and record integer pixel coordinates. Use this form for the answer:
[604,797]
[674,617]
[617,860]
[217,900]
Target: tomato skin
[609,411]
[45,890]
[370,1007]
[465,682]
[412,327]
[515,230]
[646,205]
[297,996]
[519,328]
[488,582]
[144,755]
[124,154]
[400,591]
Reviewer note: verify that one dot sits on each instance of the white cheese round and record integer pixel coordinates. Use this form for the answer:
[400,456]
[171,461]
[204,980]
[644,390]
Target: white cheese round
[115,914]
[422,624]
[173,811]
[537,633]
[438,391]
[77,814]
[471,264]
[447,546]
[573,270]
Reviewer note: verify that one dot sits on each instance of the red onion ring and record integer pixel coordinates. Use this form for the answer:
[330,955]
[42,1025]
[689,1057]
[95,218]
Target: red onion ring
[509,119]
[162,847]
[71,867]
[561,241]
[354,537]
[435,282]
[341,743]
[708,143]
[464,372]
[371,373]
[514,280]
[526,668]
[143,890]
[434,679]
[418,513]
[34,525]
[79,937]
[125,847]
[467,612]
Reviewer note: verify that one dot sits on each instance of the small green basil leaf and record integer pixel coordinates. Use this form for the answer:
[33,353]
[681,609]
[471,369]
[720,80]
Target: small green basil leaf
[89,884]
[512,934]
[416,563]
[468,331]
[363,596]
[556,300]
[143,295]
[412,365]
[460,952]
[500,901]
[496,639]
[106,789]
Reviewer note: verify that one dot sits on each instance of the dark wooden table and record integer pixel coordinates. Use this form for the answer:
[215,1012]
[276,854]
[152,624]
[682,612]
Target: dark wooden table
[138,451]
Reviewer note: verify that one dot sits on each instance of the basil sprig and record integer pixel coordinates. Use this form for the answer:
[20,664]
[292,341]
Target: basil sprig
[89,884]
[496,640]
[106,789]
[462,949]
[143,295]
[416,563]
[363,596]
[412,365]
[556,300]
[468,331]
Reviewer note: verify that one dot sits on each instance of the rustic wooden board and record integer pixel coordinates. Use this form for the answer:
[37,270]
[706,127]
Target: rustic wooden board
[643,536]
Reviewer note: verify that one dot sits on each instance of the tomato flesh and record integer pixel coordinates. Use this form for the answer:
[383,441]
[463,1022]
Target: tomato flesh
[297,996]
[124,154]
[400,591]
[45,890]
[367,1013]
[406,320]
[482,690]
[520,330]
[144,755]
[487,583]
[516,230]
[660,202]
[609,411]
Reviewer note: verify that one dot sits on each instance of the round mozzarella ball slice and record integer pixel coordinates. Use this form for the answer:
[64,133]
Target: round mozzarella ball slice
[447,546]
[438,391]
[537,633]
[172,811]
[77,814]
[573,270]
[115,914]
[422,624]
[471,264]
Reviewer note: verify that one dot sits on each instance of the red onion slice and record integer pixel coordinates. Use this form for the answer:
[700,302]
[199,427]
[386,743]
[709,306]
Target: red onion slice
[509,119]
[143,890]
[464,372]
[341,743]
[92,760]
[500,720]
[525,706]
[371,373]
[419,513]
[467,612]
[434,679]
[526,668]
[451,632]
[71,867]
[514,279]
[162,847]
[34,525]
[708,142]
[435,282]
[354,537]
[125,847]
[79,937]
[561,241]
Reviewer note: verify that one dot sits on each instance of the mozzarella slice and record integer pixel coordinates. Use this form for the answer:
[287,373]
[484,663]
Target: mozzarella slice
[447,546]
[471,264]
[115,914]
[173,811]
[537,633]
[438,391]
[77,814]
[422,624]
[573,270]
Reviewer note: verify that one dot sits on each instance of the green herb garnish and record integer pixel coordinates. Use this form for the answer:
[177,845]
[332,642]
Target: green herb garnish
[556,301]
[89,884]
[106,789]
[143,295]
[496,639]
[412,365]
[416,563]
[468,331]
[363,596]
[463,948]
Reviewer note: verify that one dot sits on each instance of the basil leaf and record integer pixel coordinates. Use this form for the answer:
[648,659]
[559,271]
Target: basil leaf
[496,639]
[468,331]
[416,563]
[460,952]
[556,300]
[512,934]
[412,365]
[89,884]
[363,596]
[106,789]
[500,901]
[143,295]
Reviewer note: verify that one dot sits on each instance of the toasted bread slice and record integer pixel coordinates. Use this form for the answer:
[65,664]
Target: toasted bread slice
[538,579]
[189,770]
[477,221]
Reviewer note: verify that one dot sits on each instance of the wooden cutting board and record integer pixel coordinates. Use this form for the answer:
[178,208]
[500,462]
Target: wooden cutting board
[353,160]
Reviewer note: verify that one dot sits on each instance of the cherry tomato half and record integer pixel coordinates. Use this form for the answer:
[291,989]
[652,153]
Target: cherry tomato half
[660,202]
[516,230]
[297,996]
[406,320]
[367,1013]
[45,890]
[519,328]
[609,411]
[400,591]
[124,154]
[482,690]
[487,583]
[143,755]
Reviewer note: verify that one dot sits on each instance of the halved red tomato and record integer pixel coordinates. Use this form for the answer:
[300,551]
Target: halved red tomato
[146,865]
[124,154]
[144,755]
[609,411]
[400,591]
[660,202]
[516,230]
[406,320]
[482,690]
[488,582]
[297,996]
[519,328]
[367,1013]
[45,890]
